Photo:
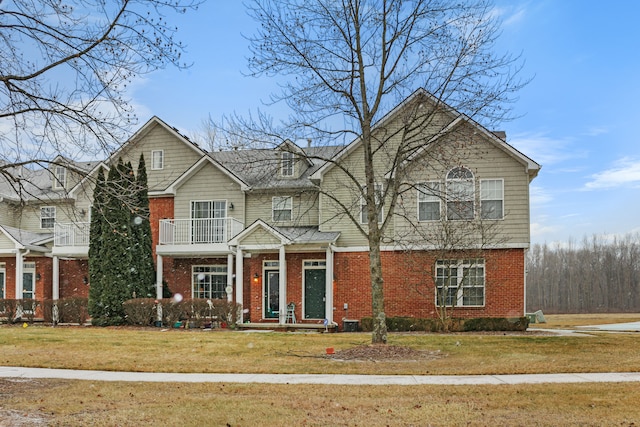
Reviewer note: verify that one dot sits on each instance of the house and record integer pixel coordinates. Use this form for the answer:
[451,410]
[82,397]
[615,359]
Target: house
[270,227]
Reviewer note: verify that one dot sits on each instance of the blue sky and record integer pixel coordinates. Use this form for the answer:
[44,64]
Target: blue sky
[576,118]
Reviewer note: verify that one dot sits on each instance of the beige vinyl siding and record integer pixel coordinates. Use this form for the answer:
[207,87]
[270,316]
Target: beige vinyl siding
[209,183]
[178,156]
[461,146]
[29,216]
[304,208]
[260,236]
[7,214]
[6,243]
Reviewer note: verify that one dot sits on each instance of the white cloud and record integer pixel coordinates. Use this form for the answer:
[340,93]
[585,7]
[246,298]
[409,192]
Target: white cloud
[546,150]
[624,172]
[539,195]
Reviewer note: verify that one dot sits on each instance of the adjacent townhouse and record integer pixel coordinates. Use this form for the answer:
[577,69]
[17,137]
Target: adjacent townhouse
[283,227]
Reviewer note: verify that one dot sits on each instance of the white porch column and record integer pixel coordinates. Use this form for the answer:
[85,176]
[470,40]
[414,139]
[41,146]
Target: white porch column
[158,277]
[19,273]
[55,282]
[230,277]
[329,285]
[282,286]
[239,280]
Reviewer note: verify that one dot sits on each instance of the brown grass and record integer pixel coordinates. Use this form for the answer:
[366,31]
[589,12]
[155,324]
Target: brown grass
[84,403]
[562,321]
[57,402]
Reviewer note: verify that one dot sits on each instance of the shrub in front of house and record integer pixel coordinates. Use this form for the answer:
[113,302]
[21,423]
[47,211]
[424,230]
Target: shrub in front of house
[140,311]
[409,324]
[8,309]
[70,310]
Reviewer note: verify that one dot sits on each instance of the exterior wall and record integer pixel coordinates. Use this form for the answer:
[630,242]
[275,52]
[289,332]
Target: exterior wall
[178,157]
[304,204]
[178,273]
[159,208]
[72,275]
[28,218]
[410,289]
[10,276]
[7,214]
[210,183]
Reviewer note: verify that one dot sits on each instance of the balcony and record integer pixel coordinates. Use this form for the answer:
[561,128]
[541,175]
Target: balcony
[196,236]
[71,239]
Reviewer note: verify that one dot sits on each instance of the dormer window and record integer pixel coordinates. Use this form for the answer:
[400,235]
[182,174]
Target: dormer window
[287,164]
[59,177]
[157,159]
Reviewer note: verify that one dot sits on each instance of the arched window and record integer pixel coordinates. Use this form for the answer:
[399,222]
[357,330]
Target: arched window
[460,194]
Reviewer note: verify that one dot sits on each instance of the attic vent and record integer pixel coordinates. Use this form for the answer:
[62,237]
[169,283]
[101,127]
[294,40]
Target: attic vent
[500,134]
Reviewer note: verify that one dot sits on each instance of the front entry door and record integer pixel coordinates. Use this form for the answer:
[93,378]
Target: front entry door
[314,293]
[271,294]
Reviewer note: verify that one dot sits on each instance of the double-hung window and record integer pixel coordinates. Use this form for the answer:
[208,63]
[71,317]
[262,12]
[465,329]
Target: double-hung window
[287,164]
[59,177]
[460,194]
[492,198]
[460,283]
[378,200]
[282,208]
[429,197]
[157,159]
[47,216]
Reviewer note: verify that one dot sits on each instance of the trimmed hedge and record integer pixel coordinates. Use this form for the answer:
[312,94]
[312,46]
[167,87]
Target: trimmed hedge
[70,310]
[198,312]
[408,324]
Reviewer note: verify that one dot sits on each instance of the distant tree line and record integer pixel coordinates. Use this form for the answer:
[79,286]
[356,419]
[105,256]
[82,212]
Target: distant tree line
[598,275]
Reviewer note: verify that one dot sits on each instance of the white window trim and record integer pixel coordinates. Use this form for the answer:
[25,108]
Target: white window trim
[363,204]
[430,184]
[48,217]
[3,282]
[461,265]
[472,196]
[212,272]
[283,207]
[501,180]
[153,160]
[29,267]
[59,177]
[287,164]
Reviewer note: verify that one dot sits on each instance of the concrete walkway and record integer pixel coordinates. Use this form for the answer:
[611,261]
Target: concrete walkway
[32,373]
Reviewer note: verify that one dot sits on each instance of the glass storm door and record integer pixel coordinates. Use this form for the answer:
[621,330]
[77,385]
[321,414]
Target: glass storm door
[271,294]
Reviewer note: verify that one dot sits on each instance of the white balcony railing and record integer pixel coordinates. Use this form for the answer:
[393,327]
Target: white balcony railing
[198,231]
[71,234]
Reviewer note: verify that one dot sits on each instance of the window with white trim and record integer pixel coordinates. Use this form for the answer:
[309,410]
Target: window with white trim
[363,204]
[460,283]
[460,194]
[287,164]
[59,177]
[157,159]
[47,216]
[429,201]
[492,198]
[282,208]
[209,281]
[3,280]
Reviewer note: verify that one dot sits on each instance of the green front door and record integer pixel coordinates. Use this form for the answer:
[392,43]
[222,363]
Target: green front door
[314,293]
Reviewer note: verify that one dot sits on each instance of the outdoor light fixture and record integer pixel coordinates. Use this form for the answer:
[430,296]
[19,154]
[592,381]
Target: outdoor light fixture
[85,280]
[38,277]
[231,206]
[256,278]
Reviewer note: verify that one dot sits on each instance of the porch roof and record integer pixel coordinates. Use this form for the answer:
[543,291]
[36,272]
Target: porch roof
[27,239]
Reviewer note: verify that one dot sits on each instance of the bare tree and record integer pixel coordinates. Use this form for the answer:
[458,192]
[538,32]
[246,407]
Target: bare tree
[64,75]
[352,61]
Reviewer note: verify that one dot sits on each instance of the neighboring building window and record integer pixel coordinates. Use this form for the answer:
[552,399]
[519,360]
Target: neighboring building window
[363,204]
[3,280]
[47,216]
[429,197]
[157,159]
[209,281]
[460,283]
[59,177]
[492,198]
[282,208]
[287,164]
[460,194]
